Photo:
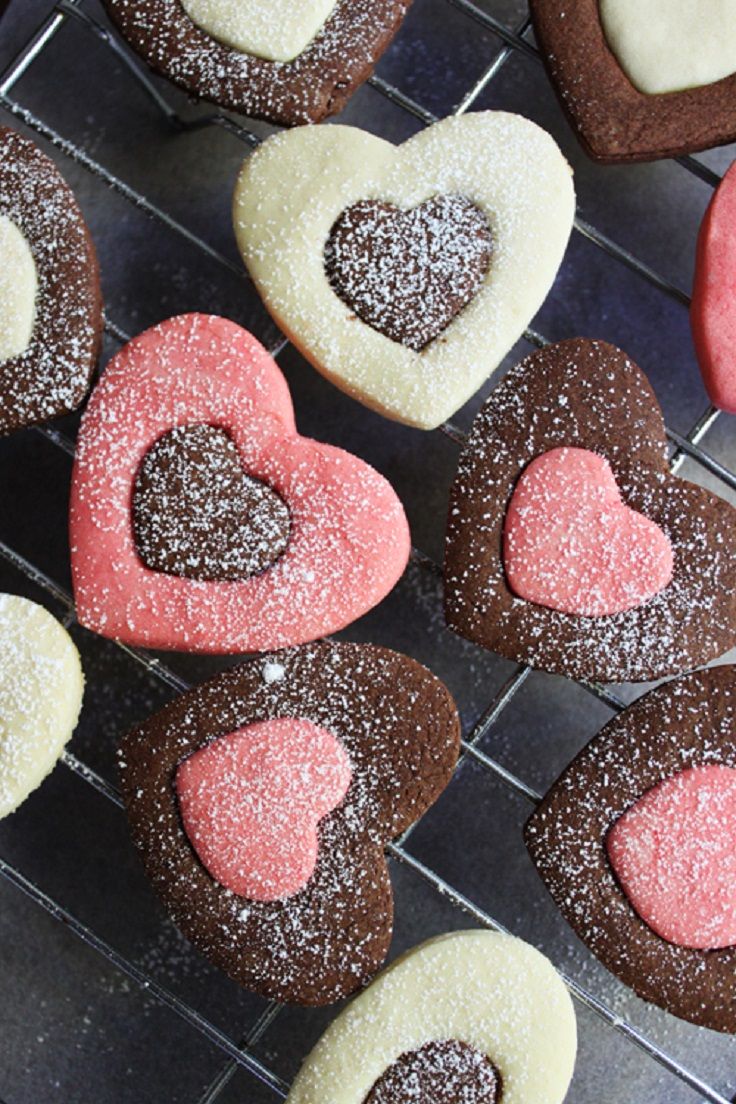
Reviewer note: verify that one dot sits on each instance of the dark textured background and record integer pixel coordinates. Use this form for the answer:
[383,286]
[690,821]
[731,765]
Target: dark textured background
[72,1027]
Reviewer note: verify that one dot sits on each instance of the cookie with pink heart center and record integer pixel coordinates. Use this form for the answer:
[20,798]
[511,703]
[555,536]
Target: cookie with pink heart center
[261,803]
[636,842]
[572,544]
[201,520]
[713,308]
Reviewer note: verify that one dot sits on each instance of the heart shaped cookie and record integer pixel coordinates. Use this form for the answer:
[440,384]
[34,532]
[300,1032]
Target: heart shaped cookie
[353,739]
[713,308]
[272,59]
[41,685]
[642,81]
[587,396]
[50,300]
[628,842]
[468,1016]
[201,520]
[405,274]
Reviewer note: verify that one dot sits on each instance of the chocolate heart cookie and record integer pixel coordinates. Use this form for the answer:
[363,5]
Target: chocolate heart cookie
[261,803]
[641,81]
[604,567]
[50,299]
[275,60]
[405,274]
[636,843]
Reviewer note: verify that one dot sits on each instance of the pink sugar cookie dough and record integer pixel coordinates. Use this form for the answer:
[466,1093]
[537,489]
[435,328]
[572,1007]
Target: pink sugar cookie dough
[348,541]
[713,308]
[570,543]
[674,853]
[250,803]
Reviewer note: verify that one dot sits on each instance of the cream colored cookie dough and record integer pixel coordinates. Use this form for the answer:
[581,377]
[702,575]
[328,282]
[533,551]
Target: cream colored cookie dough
[18,287]
[671,45]
[291,191]
[494,992]
[41,686]
[277,30]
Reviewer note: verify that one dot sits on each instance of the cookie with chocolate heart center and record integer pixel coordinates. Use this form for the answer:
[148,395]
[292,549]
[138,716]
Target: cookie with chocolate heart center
[570,545]
[467,1016]
[50,299]
[200,520]
[261,803]
[636,843]
[272,59]
[404,274]
[642,81]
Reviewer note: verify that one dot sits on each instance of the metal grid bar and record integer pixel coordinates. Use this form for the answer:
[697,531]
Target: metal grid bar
[513,40]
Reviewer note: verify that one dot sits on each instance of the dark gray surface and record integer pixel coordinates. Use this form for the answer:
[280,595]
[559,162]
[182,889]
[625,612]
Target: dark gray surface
[73,1028]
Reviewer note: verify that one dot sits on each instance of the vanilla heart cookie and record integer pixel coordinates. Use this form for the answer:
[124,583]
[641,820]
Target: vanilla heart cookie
[636,842]
[200,520]
[468,1016]
[261,803]
[276,60]
[50,300]
[570,545]
[41,685]
[405,274]
[713,308]
[642,81]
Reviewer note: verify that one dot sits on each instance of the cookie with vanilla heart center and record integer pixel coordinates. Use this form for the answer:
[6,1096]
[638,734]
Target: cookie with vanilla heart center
[50,298]
[642,81]
[276,60]
[404,274]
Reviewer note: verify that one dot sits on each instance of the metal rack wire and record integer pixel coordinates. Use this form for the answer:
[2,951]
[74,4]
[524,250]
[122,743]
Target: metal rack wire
[240,1054]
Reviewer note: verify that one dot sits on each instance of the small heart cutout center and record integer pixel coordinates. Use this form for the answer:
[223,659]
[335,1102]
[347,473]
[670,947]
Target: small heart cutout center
[441,1072]
[674,853]
[409,273]
[251,801]
[570,543]
[197,514]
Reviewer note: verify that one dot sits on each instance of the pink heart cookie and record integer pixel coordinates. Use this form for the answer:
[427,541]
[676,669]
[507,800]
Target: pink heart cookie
[713,309]
[348,539]
[250,803]
[573,545]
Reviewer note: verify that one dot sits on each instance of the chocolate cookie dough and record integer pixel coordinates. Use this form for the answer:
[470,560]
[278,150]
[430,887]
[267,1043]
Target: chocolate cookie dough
[197,514]
[686,723]
[400,730]
[316,83]
[588,395]
[50,299]
[613,119]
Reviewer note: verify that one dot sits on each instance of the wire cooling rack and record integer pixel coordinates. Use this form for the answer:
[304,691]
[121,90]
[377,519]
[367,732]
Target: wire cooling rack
[695,1066]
